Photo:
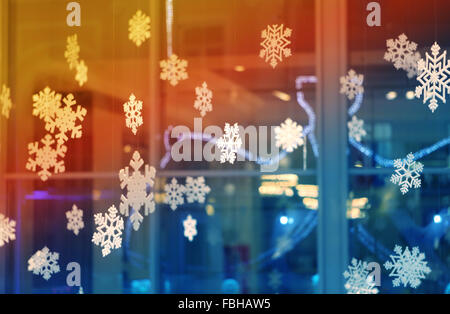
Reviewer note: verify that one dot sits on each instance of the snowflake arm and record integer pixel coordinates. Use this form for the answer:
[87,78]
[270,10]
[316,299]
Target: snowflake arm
[109,231]
[358,279]
[229,143]
[5,101]
[7,230]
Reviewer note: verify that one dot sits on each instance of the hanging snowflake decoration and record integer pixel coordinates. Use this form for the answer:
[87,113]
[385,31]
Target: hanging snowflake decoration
[139,28]
[46,104]
[434,77]
[72,51]
[399,50]
[407,173]
[190,228]
[356,129]
[196,189]
[46,157]
[132,110]
[174,194]
[229,143]
[358,279]
[5,101]
[289,135]
[411,65]
[7,230]
[75,219]
[109,231]
[408,266]
[65,120]
[44,263]
[173,70]
[352,84]
[203,101]
[137,195]
[275,44]
[275,280]
[82,73]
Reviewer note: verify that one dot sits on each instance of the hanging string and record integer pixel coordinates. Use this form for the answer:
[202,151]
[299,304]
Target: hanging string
[169,25]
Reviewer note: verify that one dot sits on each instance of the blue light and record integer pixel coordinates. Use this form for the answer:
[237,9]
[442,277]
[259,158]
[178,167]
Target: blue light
[284,220]
[437,219]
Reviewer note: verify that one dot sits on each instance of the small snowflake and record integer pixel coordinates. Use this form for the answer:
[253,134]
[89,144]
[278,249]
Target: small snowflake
[65,120]
[408,266]
[407,173]
[203,101]
[132,110]
[358,279]
[174,194]
[275,280]
[44,263]
[82,73]
[399,50]
[356,129]
[5,101]
[72,51]
[289,135]
[352,84]
[173,70]
[190,227]
[434,77]
[7,230]
[137,195]
[139,28]
[46,157]
[109,231]
[229,143]
[75,219]
[411,65]
[196,189]
[46,104]
[275,44]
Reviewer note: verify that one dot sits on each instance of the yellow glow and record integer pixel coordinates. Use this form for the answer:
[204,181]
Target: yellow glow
[281,95]
[355,213]
[127,148]
[239,68]
[96,194]
[159,198]
[360,202]
[307,190]
[311,203]
[391,95]
[410,95]
[274,190]
[210,210]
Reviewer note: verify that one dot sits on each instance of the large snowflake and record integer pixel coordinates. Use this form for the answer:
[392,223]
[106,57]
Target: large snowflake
[5,101]
[82,73]
[174,194]
[203,101]
[190,227]
[352,84]
[407,173]
[434,77]
[133,117]
[356,129]
[173,69]
[408,266]
[399,50]
[137,195]
[109,230]
[196,189]
[75,219]
[72,51]
[46,157]
[46,103]
[139,28]
[275,44]
[65,120]
[289,135]
[358,279]
[229,143]
[7,230]
[44,263]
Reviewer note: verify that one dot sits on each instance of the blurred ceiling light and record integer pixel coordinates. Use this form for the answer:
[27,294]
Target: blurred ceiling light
[410,95]
[311,203]
[281,95]
[307,190]
[210,210]
[391,95]
[239,68]
[127,148]
[355,213]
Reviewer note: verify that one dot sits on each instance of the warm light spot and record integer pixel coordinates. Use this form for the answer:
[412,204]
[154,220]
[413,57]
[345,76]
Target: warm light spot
[311,203]
[281,95]
[96,194]
[210,210]
[127,148]
[307,190]
[391,95]
[410,95]
[239,68]
[355,213]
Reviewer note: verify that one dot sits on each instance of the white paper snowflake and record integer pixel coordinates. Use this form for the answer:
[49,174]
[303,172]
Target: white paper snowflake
[398,51]
[46,157]
[203,101]
[5,101]
[65,120]
[46,103]
[190,227]
[7,230]
[229,143]
[407,173]
[133,117]
[411,65]
[275,44]
[173,70]
[434,77]
[75,219]
[352,84]
[196,189]
[289,135]
[44,263]
[72,51]
[82,73]
[356,129]
[137,195]
[358,279]
[275,280]
[408,266]
[109,231]
[139,28]
[174,194]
